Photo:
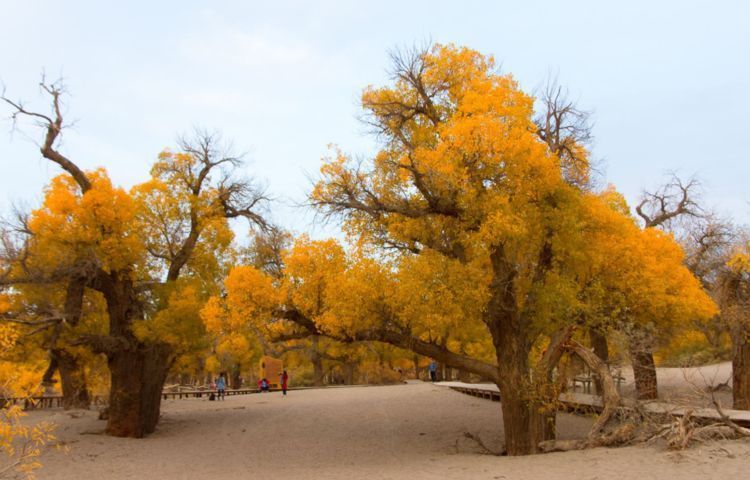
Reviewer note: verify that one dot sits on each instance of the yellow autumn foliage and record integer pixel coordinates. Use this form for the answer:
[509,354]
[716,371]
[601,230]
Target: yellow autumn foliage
[21,444]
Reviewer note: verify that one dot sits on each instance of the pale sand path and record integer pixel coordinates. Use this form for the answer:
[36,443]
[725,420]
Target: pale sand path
[397,432]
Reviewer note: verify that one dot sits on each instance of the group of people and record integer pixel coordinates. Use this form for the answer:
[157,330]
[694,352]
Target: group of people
[263,385]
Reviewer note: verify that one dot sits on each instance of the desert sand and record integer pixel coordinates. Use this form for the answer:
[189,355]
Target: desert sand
[413,431]
[688,385]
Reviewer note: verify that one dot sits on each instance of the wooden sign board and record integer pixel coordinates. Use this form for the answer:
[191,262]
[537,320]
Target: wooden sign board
[271,369]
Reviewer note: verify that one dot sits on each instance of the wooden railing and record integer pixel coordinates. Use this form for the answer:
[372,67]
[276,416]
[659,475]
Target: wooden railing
[583,402]
[206,393]
[52,401]
[36,403]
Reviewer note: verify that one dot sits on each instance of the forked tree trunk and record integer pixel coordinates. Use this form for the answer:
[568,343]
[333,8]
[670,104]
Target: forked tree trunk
[138,375]
[544,421]
[644,368]
[610,401]
[73,380]
[741,369]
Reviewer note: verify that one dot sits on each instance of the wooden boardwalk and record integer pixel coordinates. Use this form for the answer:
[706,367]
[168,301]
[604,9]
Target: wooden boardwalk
[55,401]
[584,402]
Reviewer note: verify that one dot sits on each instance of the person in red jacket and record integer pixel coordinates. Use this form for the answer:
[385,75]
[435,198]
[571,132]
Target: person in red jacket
[284,382]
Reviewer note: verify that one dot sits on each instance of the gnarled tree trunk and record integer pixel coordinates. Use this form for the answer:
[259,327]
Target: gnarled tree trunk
[644,368]
[138,375]
[524,423]
[138,369]
[317,361]
[73,380]
[601,350]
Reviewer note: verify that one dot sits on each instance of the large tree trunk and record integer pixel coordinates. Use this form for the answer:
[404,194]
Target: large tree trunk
[349,371]
[524,423]
[741,369]
[138,369]
[236,376]
[73,379]
[644,368]
[138,375]
[317,362]
[601,349]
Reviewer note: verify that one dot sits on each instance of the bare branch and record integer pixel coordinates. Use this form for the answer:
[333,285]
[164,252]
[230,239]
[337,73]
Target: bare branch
[674,199]
[53,124]
[566,129]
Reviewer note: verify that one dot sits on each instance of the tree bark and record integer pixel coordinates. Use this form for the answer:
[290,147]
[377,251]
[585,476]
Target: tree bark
[138,376]
[610,396]
[610,401]
[349,371]
[741,369]
[601,350]
[72,376]
[644,368]
[524,423]
[73,380]
[138,369]
[236,376]
[317,362]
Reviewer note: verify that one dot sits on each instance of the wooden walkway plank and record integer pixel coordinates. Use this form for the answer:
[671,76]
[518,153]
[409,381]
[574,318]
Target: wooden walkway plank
[593,403]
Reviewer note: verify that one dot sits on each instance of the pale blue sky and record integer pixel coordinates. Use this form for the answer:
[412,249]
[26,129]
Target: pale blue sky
[669,82]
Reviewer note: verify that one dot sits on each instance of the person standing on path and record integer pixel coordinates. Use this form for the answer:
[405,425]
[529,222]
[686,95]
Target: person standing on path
[433,371]
[221,386]
[284,381]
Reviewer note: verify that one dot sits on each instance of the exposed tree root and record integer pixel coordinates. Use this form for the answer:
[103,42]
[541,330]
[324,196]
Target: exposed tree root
[484,448]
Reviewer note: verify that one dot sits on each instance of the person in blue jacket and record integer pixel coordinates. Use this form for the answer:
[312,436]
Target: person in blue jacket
[433,370]
[221,386]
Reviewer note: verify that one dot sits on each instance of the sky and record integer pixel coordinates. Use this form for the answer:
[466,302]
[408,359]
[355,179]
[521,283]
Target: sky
[667,82]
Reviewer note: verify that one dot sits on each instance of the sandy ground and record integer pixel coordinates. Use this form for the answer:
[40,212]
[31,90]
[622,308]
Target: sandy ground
[413,431]
[688,385]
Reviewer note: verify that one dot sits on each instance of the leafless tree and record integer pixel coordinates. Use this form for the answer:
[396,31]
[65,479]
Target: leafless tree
[567,130]
[676,198]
